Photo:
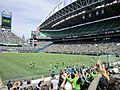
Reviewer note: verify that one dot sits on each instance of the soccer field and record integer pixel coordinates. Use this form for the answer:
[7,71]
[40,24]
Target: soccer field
[17,65]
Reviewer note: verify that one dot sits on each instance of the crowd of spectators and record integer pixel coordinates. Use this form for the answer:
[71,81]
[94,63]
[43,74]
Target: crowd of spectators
[25,49]
[20,85]
[9,38]
[91,48]
[79,77]
[28,85]
[9,42]
[101,48]
[42,44]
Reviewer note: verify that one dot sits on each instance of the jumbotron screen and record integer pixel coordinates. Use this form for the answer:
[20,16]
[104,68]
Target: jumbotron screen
[6,21]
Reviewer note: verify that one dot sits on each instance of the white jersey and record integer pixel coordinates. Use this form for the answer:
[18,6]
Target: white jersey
[55,84]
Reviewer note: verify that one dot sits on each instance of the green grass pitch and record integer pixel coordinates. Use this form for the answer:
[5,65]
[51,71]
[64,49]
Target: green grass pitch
[17,65]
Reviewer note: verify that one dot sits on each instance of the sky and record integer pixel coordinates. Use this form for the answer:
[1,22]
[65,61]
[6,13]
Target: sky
[27,15]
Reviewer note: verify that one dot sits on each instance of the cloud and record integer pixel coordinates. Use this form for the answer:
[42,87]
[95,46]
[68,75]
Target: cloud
[27,14]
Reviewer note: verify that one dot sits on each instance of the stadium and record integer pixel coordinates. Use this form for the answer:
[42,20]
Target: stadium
[67,47]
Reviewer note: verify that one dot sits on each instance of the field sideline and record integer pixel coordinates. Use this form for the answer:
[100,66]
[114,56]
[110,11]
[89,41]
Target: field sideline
[17,65]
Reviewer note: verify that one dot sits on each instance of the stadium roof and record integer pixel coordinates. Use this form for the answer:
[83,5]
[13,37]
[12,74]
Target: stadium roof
[79,12]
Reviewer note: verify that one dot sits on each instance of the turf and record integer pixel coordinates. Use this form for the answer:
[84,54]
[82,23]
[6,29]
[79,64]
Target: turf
[17,65]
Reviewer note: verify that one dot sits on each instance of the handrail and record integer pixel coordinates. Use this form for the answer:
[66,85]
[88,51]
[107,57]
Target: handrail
[94,83]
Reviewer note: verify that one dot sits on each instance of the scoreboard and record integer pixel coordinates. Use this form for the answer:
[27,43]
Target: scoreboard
[6,21]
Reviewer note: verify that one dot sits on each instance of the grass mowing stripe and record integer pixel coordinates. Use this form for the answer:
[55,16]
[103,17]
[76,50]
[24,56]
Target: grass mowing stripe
[17,65]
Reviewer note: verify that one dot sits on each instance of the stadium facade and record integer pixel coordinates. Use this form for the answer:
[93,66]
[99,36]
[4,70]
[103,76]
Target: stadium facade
[84,20]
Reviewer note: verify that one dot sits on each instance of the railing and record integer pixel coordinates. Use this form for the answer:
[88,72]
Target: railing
[94,83]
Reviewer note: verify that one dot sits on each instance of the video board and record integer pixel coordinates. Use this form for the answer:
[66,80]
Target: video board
[6,21]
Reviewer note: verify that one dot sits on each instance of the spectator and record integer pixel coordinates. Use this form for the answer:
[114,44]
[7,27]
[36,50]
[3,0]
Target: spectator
[2,87]
[9,84]
[30,88]
[54,82]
